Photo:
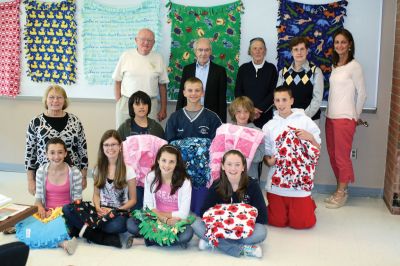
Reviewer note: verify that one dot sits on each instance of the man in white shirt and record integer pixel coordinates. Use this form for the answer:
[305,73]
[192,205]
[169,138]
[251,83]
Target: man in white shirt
[141,69]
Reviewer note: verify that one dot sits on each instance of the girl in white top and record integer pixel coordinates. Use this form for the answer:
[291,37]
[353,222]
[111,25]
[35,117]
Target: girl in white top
[345,103]
[167,192]
[114,182]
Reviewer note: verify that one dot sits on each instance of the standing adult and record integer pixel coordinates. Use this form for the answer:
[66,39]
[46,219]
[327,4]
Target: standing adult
[54,122]
[345,103]
[257,80]
[212,76]
[304,79]
[141,69]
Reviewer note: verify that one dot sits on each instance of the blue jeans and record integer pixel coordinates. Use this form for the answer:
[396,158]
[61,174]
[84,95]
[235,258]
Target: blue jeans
[232,247]
[139,198]
[116,225]
[183,238]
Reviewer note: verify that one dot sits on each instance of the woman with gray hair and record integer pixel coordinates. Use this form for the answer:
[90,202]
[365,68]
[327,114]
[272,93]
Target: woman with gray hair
[54,122]
[257,80]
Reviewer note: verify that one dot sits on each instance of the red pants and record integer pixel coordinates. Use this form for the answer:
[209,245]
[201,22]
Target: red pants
[294,212]
[339,139]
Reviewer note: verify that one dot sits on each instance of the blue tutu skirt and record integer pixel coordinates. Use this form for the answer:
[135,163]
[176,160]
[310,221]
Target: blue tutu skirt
[37,234]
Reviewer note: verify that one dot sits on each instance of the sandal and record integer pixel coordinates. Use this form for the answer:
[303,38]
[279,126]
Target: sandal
[337,200]
[328,199]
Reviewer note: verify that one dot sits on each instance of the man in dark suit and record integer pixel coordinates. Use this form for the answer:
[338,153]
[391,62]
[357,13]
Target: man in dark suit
[212,75]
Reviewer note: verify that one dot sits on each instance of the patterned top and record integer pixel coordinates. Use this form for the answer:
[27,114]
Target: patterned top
[110,196]
[40,132]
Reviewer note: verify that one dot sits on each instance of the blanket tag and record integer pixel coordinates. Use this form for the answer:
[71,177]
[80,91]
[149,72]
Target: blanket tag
[28,233]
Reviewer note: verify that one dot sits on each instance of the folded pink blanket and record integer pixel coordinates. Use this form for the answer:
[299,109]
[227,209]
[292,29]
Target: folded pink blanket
[233,137]
[140,153]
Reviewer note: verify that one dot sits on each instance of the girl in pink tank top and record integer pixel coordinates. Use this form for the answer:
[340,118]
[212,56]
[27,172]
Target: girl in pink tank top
[57,184]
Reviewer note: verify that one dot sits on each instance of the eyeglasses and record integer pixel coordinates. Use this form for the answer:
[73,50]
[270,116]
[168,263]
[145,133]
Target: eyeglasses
[144,40]
[110,145]
[299,50]
[52,98]
[205,50]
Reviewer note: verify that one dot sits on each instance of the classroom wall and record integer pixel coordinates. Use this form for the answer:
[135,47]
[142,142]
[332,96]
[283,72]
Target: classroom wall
[98,116]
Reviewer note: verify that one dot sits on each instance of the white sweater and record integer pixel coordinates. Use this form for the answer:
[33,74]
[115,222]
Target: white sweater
[184,197]
[272,129]
[347,92]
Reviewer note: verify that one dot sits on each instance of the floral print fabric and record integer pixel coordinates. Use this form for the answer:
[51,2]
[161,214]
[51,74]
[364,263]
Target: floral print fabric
[231,221]
[295,162]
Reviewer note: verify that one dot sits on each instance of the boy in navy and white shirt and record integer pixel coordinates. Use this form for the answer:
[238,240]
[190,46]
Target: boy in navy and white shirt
[194,120]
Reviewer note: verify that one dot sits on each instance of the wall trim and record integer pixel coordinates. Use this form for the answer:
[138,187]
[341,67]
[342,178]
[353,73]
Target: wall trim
[12,167]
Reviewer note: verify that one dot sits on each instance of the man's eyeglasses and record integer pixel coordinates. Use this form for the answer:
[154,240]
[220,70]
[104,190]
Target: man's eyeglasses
[205,50]
[144,40]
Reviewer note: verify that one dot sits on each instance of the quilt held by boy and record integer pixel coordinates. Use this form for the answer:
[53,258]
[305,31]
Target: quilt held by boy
[195,153]
[295,161]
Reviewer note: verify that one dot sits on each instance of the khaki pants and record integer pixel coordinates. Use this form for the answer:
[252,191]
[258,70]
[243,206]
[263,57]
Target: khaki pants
[122,111]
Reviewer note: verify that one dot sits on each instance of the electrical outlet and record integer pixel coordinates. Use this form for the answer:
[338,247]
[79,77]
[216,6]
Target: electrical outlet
[353,154]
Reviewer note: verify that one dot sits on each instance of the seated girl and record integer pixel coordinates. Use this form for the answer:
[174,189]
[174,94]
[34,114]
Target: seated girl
[167,192]
[57,184]
[234,186]
[114,193]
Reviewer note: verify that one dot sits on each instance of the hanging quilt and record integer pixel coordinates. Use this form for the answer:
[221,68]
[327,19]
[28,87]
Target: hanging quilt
[109,31]
[50,41]
[9,48]
[317,23]
[221,24]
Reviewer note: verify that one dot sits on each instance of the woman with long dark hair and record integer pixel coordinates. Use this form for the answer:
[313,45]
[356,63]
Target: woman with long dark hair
[345,103]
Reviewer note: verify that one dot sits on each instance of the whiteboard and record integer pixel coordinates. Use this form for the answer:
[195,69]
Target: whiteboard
[363,19]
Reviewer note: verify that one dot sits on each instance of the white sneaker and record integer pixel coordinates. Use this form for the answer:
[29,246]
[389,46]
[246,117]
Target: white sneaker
[252,251]
[203,245]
